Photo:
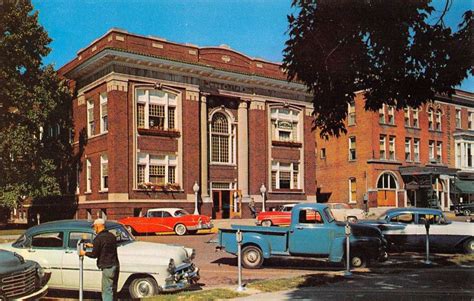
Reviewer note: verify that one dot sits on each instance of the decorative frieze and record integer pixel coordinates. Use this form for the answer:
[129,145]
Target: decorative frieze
[116,85]
[192,95]
[257,105]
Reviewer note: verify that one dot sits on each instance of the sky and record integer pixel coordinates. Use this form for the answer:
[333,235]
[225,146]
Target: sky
[257,28]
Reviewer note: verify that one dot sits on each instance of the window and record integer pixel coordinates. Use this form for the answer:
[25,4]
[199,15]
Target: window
[406,218]
[222,139]
[104,173]
[382,147]
[439,151]
[458,118]
[285,175]
[416,150]
[48,240]
[458,155]
[470,121]
[469,154]
[352,148]
[438,120]
[156,109]
[90,118]
[431,150]
[391,115]
[407,149]
[104,121]
[284,124]
[416,123]
[323,153]
[387,181]
[391,148]
[159,170]
[88,175]
[309,216]
[382,115]
[74,238]
[351,113]
[430,119]
[407,117]
[352,190]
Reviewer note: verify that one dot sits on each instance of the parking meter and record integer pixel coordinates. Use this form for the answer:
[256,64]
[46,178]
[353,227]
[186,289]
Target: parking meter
[238,238]
[347,230]
[81,246]
[427,227]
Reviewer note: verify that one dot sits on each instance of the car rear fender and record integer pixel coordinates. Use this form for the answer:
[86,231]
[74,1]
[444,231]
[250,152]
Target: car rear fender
[259,241]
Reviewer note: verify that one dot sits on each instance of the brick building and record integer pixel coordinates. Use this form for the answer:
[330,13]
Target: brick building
[412,157]
[154,118]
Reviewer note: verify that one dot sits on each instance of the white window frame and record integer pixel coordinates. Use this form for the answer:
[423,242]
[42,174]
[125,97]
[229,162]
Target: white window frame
[391,115]
[458,118]
[416,150]
[431,150]
[166,160]
[352,201]
[416,118]
[351,156]
[382,115]
[431,119]
[163,98]
[439,151]
[90,118]
[470,120]
[231,138]
[104,161]
[278,116]
[88,176]
[438,120]
[408,153]
[383,147]
[104,125]
[351,113]
[407,117]
[276,167]
[392,148]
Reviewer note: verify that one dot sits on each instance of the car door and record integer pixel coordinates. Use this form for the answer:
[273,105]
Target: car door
[309,235]
[156,222]
[70,264]
[168,221]
[47,248]
[402,230]
[440,238]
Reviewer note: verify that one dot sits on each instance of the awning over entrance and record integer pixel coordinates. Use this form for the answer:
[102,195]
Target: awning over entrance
[464,186]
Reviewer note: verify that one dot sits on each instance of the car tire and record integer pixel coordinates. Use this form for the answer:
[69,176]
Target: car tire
[358,261]
[466,212]
[252,257]
[267,223]
[180,229]
[142,288]
[469,246]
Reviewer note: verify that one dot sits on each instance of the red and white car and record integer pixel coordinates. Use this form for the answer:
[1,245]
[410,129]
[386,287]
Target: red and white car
[280,217]
[167,220]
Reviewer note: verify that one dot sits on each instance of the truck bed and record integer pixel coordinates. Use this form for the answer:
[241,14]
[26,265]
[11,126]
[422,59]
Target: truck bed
[280,230]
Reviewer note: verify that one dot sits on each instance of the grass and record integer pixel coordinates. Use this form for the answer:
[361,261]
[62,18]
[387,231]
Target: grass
[212,294]
[294,282]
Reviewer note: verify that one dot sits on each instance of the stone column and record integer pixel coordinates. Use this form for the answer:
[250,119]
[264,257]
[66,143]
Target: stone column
[204,149]
[243,149]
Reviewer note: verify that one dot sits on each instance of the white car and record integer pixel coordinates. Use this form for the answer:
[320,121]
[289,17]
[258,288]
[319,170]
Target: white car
[145,268]
[343,211]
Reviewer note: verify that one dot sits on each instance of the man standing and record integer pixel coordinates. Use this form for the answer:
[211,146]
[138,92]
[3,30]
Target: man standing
[104,248]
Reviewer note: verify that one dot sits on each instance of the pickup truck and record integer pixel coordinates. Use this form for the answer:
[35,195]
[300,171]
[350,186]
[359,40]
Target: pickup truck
[313,232]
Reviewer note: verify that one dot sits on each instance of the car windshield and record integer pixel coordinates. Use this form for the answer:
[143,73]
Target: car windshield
[329,217]
[121,233]
[181,212]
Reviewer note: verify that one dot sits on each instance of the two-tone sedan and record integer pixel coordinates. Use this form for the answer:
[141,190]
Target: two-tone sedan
[145,268]
[405,229]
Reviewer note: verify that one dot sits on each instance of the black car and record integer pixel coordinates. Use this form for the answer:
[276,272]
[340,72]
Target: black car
[464,209]
[20,278]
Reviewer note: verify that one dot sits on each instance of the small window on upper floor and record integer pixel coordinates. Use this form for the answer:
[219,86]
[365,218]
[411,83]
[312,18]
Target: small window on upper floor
[285,124]
[458,118]
[156,109]
[438,116]
[351,113]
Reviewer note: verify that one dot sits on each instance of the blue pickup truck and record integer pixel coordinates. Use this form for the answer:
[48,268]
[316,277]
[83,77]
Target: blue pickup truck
[313,232]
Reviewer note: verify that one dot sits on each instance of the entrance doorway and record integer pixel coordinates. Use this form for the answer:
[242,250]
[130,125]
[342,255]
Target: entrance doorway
[221,204]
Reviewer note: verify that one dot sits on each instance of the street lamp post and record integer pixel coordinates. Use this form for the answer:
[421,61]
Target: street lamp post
[263,189]
[196,190]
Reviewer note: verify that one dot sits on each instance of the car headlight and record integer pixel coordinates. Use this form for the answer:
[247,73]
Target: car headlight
[40,272]
[171,266]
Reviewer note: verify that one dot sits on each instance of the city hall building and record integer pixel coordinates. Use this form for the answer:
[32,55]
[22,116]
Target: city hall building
[162,124]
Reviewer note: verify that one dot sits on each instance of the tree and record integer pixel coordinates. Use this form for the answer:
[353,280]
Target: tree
[35,111]
[391,50]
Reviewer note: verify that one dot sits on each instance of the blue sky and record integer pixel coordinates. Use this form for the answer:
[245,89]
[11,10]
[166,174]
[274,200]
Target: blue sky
[254,27]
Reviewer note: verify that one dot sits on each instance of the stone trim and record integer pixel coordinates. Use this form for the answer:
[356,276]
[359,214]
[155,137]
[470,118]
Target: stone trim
[115,85]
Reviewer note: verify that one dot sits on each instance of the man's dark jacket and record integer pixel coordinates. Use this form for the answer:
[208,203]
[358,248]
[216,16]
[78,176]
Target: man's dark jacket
[105,250]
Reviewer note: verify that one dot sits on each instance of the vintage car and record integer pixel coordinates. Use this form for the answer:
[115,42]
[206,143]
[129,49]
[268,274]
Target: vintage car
[167,220]
[343,211]
[145,268]
[20,278]
[464,209]
[279,217]
[405,229]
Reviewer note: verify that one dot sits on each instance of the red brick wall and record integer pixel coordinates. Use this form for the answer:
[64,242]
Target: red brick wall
[258,150]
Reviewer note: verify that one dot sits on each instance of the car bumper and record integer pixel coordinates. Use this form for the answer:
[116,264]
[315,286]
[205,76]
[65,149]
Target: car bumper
[185,276]
[35,295]
[201,227]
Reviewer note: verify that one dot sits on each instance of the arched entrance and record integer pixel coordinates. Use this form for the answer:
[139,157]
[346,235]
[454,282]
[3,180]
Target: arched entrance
[387,186]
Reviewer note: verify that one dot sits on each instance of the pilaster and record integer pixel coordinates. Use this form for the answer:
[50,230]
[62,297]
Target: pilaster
[243,149]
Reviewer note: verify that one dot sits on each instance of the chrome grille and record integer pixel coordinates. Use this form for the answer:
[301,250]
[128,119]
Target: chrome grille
[19,283]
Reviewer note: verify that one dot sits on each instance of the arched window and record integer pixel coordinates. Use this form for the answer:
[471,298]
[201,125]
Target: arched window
[222,139]
[430,119]
[438,120]
[387,181]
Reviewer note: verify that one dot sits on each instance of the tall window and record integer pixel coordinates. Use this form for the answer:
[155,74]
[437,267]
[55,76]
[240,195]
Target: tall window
[382,115]
[458,118]
[469,154]
[382,147]
[416,122]
[90,118]
[470,121]
[406,113]
[156,169]
[407,149]
[391,148]
[285,175]
[391,115]
[431,119]
[416,150]
[156,109]
[439,151]
[438,120]
[285,124]
[352,148]
[222,139]
[431,150]
[352,113]
[88,175]
[352,190]
[458,155]
[104,173]
[104,121]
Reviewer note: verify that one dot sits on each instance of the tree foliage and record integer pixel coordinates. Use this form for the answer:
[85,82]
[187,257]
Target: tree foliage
[35,111]
[399,52]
